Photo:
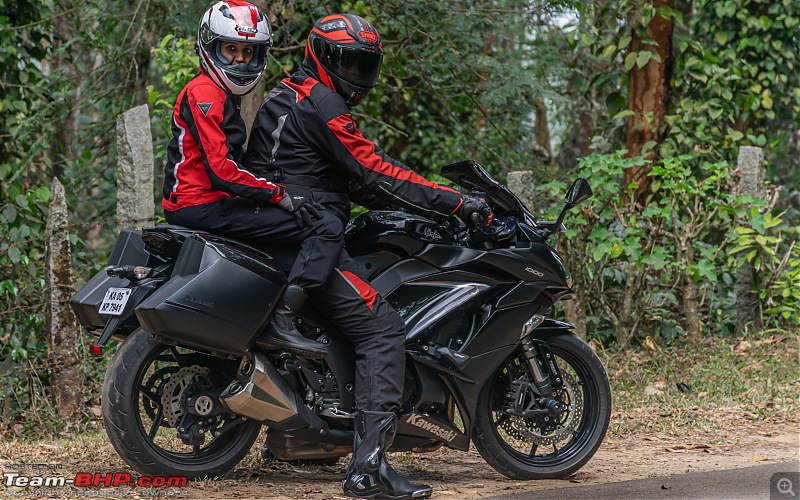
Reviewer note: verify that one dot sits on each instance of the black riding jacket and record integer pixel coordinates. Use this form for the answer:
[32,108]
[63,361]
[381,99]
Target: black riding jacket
[305,138]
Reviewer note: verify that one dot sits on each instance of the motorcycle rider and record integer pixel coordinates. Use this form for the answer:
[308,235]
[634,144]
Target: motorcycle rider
[304,136]
[206,185]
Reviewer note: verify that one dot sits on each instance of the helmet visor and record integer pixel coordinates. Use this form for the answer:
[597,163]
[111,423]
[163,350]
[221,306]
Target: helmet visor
[356,66]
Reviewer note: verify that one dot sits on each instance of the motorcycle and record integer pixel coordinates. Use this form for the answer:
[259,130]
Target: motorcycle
[191,384]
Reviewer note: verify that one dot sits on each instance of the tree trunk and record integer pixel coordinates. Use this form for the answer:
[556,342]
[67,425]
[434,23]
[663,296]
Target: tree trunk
[543,135]
[691,307]
[65,26]
[648,91]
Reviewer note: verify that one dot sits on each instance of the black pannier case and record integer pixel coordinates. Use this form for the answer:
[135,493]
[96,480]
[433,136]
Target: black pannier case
[129,250]
[218,299]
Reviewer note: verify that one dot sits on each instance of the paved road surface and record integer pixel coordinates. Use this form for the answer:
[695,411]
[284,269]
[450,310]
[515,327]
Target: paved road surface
[759,482]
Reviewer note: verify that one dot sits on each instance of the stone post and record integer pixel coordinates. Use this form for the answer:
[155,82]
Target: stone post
[62,327]
[135,208]
[251,102]
[521,184]
[751,183]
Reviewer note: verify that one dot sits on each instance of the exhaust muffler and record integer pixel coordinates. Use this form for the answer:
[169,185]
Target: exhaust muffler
[260,392]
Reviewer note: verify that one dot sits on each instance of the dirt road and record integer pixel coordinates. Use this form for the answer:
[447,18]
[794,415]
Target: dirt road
[742,442]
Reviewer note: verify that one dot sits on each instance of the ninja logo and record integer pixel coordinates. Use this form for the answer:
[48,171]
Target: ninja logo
[432,234]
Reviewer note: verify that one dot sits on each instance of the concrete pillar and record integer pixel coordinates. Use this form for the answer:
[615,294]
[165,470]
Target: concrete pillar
[748,305]
[521,184]
[135,207]
[63,330]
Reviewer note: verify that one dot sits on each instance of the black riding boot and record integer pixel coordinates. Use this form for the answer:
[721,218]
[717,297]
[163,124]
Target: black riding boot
[369,474]
[284,335]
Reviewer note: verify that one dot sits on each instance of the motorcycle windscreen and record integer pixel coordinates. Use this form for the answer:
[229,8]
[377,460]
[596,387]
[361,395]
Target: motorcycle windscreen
[470,175]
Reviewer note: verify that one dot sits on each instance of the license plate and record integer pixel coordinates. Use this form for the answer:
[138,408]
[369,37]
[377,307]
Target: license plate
[114,302]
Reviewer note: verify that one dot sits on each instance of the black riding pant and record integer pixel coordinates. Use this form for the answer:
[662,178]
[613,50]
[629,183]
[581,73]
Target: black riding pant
[268,227]
[375,330]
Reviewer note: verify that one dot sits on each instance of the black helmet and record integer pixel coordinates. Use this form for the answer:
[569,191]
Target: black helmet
[344,52]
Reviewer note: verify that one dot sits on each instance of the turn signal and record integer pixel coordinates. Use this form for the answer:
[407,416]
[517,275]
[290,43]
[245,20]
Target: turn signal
[141,272]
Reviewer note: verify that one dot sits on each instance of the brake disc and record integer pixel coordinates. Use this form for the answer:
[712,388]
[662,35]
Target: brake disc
[173,399]
[543,432]
[154,388]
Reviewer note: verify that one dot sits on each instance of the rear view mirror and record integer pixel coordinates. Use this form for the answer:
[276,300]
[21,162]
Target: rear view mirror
[578,192]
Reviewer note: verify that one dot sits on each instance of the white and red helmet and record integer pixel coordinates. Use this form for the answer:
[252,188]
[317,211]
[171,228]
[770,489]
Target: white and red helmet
[233,21]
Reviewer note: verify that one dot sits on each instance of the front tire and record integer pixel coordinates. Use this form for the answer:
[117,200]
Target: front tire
[142,375]
[521,448]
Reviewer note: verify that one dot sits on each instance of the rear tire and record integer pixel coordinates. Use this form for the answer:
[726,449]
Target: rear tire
[134,415]
[522,448]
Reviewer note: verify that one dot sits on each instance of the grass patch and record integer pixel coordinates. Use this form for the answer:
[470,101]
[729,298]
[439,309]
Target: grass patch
[706,386]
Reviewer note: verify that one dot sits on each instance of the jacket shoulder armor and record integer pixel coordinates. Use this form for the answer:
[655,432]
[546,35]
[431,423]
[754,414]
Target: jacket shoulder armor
[202,87]
[330,103]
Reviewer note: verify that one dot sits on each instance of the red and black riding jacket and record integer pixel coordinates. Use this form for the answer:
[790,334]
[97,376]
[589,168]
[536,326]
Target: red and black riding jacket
[304,136]
[204,158]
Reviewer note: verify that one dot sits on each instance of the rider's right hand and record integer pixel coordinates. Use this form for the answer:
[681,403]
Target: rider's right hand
[476,213]
[305,210]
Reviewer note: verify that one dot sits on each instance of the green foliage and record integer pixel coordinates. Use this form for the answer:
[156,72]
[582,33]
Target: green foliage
[760,242]
[736,78]
[634,262]
[783,297]
[178,63]
[20,76]
[22,345]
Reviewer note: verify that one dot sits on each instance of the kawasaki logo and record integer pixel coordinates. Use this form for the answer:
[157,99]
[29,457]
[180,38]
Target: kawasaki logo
[424,424]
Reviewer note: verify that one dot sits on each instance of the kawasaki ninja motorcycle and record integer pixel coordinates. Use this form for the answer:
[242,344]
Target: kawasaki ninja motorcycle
[191,385]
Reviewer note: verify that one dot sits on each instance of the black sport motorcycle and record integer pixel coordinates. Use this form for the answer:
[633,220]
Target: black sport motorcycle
[190,387]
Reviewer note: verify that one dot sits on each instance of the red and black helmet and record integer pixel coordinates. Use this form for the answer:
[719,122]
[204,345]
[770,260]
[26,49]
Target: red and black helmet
[344,52]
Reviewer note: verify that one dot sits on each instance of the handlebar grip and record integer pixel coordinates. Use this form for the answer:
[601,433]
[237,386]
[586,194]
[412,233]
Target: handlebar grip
[114,271]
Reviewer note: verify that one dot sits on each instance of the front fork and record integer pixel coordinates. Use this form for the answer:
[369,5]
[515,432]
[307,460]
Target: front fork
[537,354]
[536,398]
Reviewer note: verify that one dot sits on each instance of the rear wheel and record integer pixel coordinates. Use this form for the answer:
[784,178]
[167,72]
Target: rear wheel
[545,445]
[145,413]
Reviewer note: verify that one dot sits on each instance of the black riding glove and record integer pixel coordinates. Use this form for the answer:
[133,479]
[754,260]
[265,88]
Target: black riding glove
[305,210]
[476,213]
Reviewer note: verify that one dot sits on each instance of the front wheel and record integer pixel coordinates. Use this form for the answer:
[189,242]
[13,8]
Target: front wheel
[146,418]
[543,445]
